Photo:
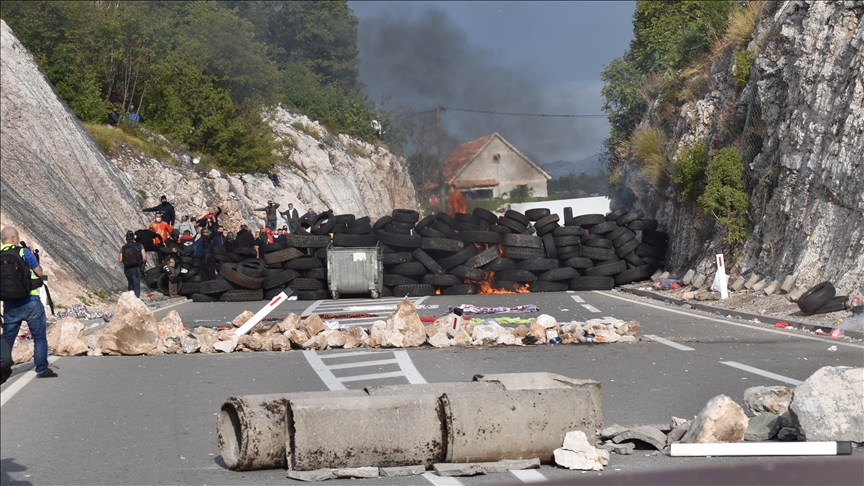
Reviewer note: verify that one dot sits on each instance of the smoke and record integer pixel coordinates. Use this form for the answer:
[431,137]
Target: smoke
[415,62]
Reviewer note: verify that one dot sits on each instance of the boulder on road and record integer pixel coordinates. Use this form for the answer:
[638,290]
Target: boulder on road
[404,327]
[771,399]
[170,325]
[66,337]
[830,405]
[722,420]
[132,331]
[22,353]
[312,325]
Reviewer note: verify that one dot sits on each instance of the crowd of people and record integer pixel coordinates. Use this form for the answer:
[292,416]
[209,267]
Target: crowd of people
[199,238]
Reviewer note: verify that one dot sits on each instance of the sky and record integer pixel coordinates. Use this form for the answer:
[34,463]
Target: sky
[514,57]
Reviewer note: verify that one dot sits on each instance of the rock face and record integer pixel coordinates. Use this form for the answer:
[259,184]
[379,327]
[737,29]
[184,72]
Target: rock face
[722,420]
[799,121]
[830,405]
[133,330]
[66,184]
[66,337]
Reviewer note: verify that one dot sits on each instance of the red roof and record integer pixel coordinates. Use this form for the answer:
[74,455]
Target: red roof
[463,155]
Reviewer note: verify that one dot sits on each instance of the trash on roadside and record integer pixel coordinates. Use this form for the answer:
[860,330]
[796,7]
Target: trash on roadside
[781,324]
[471,309]
[666,284]
[832,348]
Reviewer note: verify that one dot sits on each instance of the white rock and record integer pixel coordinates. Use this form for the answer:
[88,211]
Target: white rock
[227,345]
[722,420]
[170,325]
[578,453]
[486,334]
[829,405]
[441,340]
[547,321]
[66,337]
[404,327]
[132,330]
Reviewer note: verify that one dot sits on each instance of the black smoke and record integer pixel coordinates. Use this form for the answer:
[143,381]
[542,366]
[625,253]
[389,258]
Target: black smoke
[415,62]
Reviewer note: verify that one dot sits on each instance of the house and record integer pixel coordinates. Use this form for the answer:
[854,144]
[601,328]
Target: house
[490,166]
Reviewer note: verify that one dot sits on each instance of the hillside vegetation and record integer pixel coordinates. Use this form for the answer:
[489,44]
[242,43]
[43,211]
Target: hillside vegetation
[201,73]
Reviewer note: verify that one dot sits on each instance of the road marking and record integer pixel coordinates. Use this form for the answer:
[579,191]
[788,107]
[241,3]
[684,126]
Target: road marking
[347,355]
[591,308]
[767,374]
[578,299]
[414,376]
[738,324]
[361,364]
[669,343]
[20,382]
[323,372]
[529,476]
[440,480]
[372,376]
[312,307]
[380,308]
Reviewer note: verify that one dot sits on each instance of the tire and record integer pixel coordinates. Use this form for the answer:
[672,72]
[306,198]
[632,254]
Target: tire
[834,305]
[468,273]
[589,219]
[592,283]
[654,242]
[458,258]
[359,221]
[317,294]
[501,230]
[405,216]
[546,230]
[189,288]
[191,272]
[302,283]
[223,258]
[359,229]
[270,293]
[612,235]
[483,257]
[204,298]
[815,297]
[343,218]
[599,243]
[445,218]
[603,228]
[522,253]
[643,224]
[461,289]
[517,216]
[521,276]
[630,217]
[657,235]
[535,214]
[396,258]
[569,231]
[402,226]
[279,279]
[432,233]
[633,259]
[427,261]
[462,226]
[653,262]
[571,240]
[500,264]
[523,241]
[418,290]
[606,269]
[253,267]
[488,237]
[229,272]
[381,223]
[595,253]
[215,286]
[619,241]
[563,273]
[307,241]
[537,265]
[424,223]
[512,224]
[405,241]
[409,269]
[543,286]
[444,228]
[566,252]
[354,240]
[441,280]
[506,285]
[627,248]
[549,246]
[485,215]
[319,273]
[633,275]
[616,214]
[644,250]
[239,295]
[466,218]
[282,256]
[268,248]
[303,263]
[323,224]
[546,220]
[392,280]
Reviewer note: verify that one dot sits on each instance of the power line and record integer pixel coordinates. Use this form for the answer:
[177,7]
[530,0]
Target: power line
[486,112]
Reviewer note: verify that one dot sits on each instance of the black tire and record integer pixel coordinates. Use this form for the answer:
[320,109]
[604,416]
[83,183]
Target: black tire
[317,294]
[303,263]
[483,257]
[606,269]
[320,273]
[229,272]
[405,216]
[603,228]
[834,305]
[253,267]
[468,273]
[566,252]
[461,289]
[535,214]
[359,229]
[644,250]
[409,269]
[279,279]
[189,288]
[643,224]
[215,286]
[523,241]
[381,223]
[633,259]
[302,283]
[444,228]
[392,280]
[431,233]
[653,262]
[427,261]
[441,280]
[589,219]
[599,254]
[488,237]
[544,286]
[563,273]
[569,231]
[418,290]
[549,246]
[402,226]
[235,258]
[592,283]
[654,242]
[616,214]
[517,216]
[458,258]
[268,248]
[501,230]
[270,293]
[191,272]
[224,258]
[522,253]
[485,215]
[396,258]
[282,255]
[466,218]
[463,226]
[307,241]
[343,218]
[537,264]
[512,224]
[323,224]
[630,217]
[571,240]
[599,243]
[546,230]
[627,248]
[500,264]
[619,241]
[521,276]
[445,218]
[568,213]
[359,221]
[355,241]
[612,235]
[636,274]
[815,297]
[424,223]
[204,298]
[506,285]
[242,295]
[405,241]
[546,220]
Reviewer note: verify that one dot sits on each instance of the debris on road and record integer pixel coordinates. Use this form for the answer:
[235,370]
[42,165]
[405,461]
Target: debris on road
[829,405]
[722,420]
[578,453]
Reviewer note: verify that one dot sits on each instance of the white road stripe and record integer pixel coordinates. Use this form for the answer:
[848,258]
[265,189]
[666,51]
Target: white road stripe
[529,476]
[312,307]
[361,364]
[591,308]
[439,480]
[767,374]
[372,376]
[320,368]
[414,376]
[347,355]
[21,382]
[578,299]
[738,324]
[669,343]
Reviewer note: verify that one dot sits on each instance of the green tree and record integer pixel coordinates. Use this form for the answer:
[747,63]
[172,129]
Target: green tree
[689,171]
[724,196]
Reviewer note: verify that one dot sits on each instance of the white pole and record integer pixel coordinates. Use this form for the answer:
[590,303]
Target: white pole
[721,280]
[274,303]
[761,449]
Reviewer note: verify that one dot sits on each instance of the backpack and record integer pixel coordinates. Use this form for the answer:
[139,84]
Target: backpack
[131,255]
[15,281]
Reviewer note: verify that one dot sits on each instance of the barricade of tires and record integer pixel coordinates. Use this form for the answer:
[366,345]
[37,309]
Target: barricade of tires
[439,254]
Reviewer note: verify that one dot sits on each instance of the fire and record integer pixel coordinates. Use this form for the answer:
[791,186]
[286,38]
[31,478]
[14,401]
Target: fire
[487,287]
[456,203]
[438,291]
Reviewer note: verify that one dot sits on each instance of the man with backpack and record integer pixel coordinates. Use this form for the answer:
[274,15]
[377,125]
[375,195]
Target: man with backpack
[133,258]
[20,279]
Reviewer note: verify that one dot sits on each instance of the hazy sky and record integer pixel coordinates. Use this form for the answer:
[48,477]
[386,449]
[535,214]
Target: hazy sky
[525,57]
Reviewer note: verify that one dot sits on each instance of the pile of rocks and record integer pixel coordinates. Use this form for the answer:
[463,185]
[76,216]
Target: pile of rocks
[439,254]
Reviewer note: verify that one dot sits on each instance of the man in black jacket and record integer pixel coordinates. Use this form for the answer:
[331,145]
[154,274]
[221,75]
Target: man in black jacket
[166,208]
[270,210]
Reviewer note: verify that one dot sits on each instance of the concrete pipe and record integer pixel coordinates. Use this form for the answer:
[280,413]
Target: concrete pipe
[437,389]
[516,424]
[382,431]
[251,428]
[540,381]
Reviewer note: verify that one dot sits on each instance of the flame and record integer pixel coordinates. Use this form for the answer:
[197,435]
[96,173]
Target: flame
[456,203]
[487,287]
[438,291]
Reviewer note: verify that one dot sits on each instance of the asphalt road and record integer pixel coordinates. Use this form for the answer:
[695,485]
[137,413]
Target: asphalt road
[152,420]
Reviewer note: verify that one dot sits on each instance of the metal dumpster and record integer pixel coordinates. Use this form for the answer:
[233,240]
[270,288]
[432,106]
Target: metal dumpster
[355,270]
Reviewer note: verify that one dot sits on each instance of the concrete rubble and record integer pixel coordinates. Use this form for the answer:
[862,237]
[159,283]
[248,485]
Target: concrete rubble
[647,434]
[578,453]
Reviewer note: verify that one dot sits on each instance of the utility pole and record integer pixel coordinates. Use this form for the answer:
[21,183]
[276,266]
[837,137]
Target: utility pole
[438,151]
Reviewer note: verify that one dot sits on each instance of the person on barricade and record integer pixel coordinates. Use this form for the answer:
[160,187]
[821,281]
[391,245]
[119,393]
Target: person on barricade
[166,208]
[161,228]
[271,212]
[291,216]
[133,258]
[170,255]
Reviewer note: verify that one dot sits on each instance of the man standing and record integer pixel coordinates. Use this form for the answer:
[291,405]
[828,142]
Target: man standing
[166,208]
[310,216]
[161,228]
[271,213]
[27,308]
[133,257]
[170,254]
[292,216]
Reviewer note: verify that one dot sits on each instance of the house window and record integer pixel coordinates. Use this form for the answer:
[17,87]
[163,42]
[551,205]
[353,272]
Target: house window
[496,157]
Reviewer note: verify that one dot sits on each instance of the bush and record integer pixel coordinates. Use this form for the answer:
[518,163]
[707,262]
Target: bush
[689,171]
[650,153]
[742,23]
[724,196]
[743,63]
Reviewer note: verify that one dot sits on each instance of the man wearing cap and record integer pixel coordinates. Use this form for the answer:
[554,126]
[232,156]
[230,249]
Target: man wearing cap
[166,208]
[270,211]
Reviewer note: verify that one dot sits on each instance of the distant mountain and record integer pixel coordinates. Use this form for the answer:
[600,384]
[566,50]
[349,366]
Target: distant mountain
[560,168]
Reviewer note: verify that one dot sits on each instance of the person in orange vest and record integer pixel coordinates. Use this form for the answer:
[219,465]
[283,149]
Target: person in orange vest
[161,228]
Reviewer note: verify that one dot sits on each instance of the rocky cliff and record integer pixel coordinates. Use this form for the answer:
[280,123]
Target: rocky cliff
[799,127]
[75,203]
